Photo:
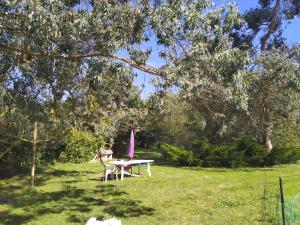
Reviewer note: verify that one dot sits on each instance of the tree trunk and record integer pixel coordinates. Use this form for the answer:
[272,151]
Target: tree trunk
[34,141]
[269,143]
[263,41]
[269,130]
[271,27]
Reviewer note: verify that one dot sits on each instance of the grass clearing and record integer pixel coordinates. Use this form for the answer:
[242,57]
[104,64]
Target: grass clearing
[72,193]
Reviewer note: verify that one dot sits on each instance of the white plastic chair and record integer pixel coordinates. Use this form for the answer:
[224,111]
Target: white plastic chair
[108,169]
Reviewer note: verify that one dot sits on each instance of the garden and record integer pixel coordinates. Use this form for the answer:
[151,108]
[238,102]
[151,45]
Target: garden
[72,193]
[150,112]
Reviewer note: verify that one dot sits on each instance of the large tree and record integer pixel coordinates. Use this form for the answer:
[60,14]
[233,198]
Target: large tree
[261,33]
[265,24]
[77,41]
[81,30]
[274,93]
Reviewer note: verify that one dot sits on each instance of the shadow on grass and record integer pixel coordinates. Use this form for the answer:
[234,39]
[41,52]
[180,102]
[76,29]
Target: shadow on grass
[10,218]
[76,203]
[127,208]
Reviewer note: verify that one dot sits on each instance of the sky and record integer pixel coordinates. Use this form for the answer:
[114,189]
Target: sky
[291,33]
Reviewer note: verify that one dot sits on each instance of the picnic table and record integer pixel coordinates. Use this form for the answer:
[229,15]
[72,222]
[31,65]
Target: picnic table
[122,164]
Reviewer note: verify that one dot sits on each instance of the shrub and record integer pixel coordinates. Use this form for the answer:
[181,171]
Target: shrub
[80,146]
[245,152]
[249,152]
[16,160]
[217,156]
[242,152]
[177,155]
[283,155]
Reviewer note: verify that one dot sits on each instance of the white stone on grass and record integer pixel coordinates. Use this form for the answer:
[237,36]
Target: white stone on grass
[94,221]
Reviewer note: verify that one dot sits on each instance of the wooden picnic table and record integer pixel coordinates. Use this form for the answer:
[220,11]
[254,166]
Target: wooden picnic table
[122,164]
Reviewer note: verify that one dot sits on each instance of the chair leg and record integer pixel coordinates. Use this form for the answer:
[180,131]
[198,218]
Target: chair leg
[106,175]
[117,174]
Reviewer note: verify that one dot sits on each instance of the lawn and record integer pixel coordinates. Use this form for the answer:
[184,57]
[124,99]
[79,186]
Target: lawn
[72,193]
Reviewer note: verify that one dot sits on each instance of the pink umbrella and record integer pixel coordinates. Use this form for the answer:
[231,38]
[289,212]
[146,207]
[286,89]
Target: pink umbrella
[131,145]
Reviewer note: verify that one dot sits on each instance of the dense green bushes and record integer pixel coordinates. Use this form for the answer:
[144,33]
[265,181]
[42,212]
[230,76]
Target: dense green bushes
[76,147]
[18,157]
[178,155]
[284,155]
[80,146]
[242,152]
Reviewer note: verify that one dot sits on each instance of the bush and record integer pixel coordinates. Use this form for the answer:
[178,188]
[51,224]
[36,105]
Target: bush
[80,146]
[249,152]
[283,155]
[217,156]
[177,155]
[16,160]
[242,152]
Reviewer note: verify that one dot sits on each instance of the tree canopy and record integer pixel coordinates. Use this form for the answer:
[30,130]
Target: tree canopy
[70,65]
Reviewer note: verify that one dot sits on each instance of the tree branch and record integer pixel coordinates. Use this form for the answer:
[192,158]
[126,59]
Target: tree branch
[3,27]
[7,150]
[20,138]
[76,57]
[271,29]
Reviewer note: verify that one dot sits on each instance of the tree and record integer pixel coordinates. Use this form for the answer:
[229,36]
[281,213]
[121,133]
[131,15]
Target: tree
[75,44]
[77,30]
[167,123]
[274,93]
[266,22]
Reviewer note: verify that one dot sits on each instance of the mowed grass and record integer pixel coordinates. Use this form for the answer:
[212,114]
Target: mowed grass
[72,193]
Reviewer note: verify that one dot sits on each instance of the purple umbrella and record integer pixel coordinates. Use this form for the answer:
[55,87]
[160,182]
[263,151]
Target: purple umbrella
[131,145]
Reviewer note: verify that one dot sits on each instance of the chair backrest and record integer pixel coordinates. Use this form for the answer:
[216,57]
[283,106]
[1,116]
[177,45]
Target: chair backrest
[106,154]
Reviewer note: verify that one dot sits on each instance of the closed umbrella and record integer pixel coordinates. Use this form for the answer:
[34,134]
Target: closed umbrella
[131,145]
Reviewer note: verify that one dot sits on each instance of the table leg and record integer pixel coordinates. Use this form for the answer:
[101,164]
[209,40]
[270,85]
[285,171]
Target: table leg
[122,172]
[149,169]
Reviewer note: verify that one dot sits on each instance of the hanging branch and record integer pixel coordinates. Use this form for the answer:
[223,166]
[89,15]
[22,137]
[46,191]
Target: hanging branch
[76,57]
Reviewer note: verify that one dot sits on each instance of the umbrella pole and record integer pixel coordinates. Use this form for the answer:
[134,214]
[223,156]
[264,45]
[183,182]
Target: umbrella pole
[131,169]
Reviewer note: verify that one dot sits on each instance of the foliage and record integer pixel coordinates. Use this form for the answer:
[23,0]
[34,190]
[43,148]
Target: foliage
[169,123]
[70,65]
[273,94]
[82,38]
[16,137]
[283,155]
[178,155]
[208,118]
[80,146]
[60,93]
[247,152]
[18,158]
[266,22]
[242,152]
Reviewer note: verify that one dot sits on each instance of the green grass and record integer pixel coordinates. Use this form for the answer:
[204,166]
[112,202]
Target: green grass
[72,193]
